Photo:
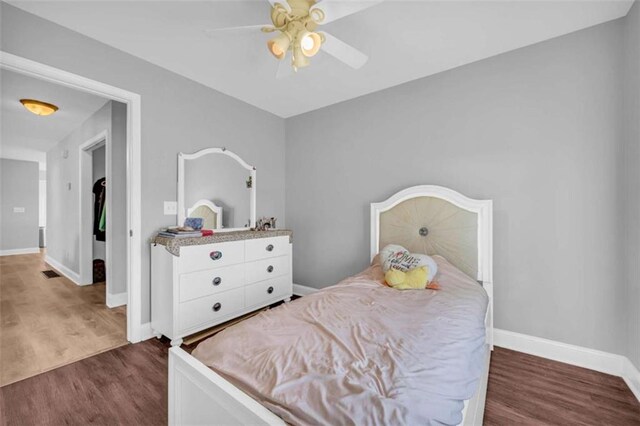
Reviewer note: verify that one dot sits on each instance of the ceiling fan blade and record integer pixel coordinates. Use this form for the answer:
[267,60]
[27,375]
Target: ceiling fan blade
[337,9]
[284,3]
[284,67]
[215,32]
[343,52]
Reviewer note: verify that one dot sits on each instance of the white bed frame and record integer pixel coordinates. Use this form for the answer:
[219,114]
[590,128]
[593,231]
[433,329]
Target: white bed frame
[199,396]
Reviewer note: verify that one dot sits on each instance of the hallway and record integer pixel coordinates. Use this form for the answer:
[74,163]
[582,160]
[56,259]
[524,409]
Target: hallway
[48,323]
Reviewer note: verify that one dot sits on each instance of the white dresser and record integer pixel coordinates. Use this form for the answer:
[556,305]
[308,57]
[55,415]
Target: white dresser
[198,283]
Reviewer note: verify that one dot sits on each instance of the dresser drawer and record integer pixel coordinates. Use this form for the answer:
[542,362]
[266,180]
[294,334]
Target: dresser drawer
[208,309]
[198,258]
[266,291]
[260,270]
[210,281]
[262,248]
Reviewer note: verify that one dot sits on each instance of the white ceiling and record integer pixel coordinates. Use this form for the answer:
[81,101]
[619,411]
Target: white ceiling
[405,40]
[26,136]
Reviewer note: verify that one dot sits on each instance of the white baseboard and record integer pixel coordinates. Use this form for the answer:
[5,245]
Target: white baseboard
[575,355]
[13,252]
[303,290]
[118,299]
[604,362]
[73,276]
[631,376]
[146,332]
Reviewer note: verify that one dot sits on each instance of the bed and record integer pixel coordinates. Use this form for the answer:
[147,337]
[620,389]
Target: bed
[360,352]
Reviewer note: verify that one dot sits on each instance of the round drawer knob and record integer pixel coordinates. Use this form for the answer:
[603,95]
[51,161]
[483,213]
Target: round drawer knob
[217,281]
[270,290]
[215,255]
[270,269]
[216,307]
[270,247]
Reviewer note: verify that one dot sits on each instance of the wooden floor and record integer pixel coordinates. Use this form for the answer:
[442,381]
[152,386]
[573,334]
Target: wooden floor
[528,390]
[47,323]
[128,386]
[124,386]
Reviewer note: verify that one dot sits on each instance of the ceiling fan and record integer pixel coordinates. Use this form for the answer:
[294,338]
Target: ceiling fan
[296,22]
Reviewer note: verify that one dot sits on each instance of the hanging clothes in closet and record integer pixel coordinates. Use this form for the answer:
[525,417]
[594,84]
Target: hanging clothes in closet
[99,208]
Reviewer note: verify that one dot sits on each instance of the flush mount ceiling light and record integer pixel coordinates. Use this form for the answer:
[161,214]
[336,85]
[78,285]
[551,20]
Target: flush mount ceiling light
[38,107]
[295,22]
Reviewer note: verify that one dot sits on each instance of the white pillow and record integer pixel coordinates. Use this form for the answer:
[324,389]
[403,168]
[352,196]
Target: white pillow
[398,257]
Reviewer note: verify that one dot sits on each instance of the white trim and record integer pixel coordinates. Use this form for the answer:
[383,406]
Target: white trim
[604,362]
[13,252]
[115,300]
[631,376]
[58,266]
[252,170]
[557,351]
[134,183]
[303,290]
[146,332]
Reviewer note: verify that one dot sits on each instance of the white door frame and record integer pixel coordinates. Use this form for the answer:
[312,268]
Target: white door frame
[40,71]
[85,252]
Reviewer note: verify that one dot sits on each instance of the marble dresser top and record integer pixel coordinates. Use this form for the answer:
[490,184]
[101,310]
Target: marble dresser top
[173,244]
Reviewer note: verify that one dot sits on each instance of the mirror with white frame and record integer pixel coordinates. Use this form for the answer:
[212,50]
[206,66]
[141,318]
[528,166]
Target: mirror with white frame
[218,186]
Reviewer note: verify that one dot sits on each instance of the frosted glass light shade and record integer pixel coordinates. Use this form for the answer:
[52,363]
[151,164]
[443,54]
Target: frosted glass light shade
[38,107]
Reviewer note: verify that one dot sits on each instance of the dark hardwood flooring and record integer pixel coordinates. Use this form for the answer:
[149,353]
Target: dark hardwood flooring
[128,386]
[125,386]
[528,390]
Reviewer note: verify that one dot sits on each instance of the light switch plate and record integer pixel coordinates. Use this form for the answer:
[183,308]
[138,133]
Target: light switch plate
[18,209]
[170,207]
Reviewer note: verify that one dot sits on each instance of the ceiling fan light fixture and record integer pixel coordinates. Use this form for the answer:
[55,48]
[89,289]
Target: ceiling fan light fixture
[279,45]
[38,107]
[310,43]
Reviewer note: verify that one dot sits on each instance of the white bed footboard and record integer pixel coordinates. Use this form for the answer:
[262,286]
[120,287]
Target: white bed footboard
[199,396]
[473,413]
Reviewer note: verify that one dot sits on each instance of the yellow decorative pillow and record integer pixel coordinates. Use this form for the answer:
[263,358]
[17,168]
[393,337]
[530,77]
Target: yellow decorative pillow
[413,279]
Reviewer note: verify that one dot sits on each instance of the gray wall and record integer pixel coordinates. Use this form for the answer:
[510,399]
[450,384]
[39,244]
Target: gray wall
[63,199]
[535,130]
[117,278]
[63,204]
[19,182]
[631,183]
[177,115]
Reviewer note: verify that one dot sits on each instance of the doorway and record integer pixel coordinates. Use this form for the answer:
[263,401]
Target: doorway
[136,331]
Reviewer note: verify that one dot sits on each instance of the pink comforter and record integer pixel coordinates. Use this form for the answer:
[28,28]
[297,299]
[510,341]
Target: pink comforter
[361,353]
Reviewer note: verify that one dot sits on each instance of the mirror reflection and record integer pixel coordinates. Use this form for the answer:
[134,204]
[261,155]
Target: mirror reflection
[215,189]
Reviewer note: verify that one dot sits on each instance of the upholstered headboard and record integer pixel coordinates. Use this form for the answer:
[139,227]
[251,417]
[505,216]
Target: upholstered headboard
[436,220]
[209,212]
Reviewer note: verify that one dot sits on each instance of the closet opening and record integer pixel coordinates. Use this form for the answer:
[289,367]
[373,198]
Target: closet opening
[93,214]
